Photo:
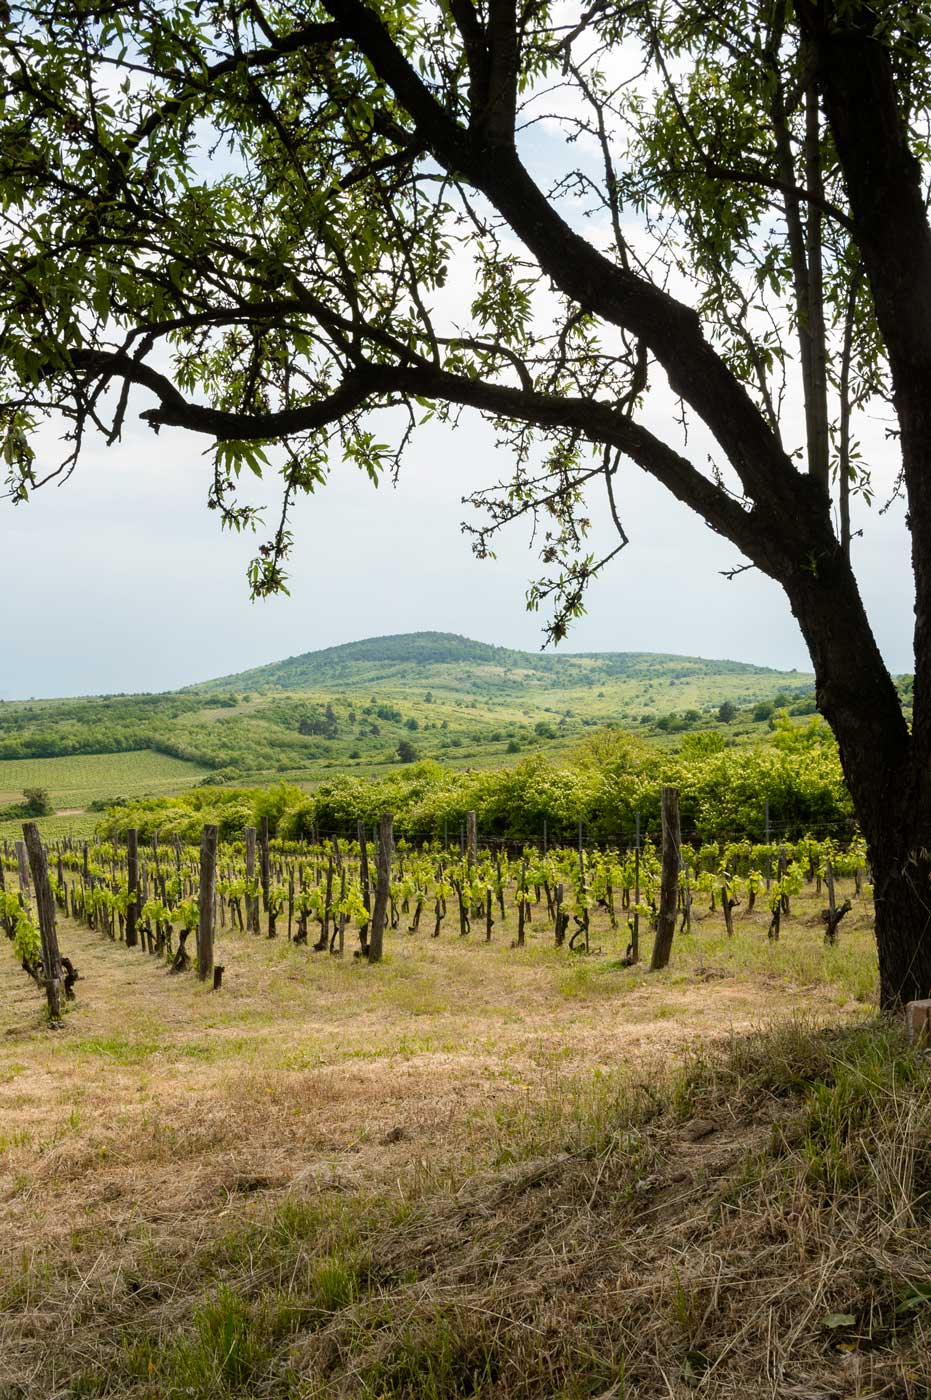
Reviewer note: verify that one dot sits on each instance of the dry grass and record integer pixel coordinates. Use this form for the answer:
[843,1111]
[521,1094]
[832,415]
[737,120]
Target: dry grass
[439,1177]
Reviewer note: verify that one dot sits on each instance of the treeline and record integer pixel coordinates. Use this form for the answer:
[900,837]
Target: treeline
[608,780]
[104,724]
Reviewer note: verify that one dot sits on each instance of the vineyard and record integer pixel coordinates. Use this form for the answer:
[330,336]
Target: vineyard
[341,898]
[166,1136]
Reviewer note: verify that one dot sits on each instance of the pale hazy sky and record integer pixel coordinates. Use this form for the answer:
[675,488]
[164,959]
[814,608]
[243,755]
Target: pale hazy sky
[122,580]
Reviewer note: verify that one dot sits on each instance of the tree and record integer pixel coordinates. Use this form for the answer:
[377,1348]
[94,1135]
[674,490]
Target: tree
[246,216]
[727,712]
[37,802]
[406,751]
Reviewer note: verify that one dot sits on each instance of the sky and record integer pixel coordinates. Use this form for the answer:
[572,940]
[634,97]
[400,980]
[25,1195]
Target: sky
[120,579]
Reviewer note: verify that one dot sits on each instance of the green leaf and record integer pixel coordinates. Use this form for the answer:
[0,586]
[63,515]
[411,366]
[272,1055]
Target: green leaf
[918,1296]
[835,1320]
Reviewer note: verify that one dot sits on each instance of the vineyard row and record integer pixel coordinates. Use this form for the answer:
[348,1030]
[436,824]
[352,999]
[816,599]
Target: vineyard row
[155,897]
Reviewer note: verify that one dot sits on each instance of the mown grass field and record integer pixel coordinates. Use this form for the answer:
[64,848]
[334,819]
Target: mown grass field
[420,1179]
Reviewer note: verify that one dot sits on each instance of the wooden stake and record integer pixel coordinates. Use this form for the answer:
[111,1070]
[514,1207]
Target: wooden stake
[264,859]
[382,885]
[635,921]
[669,880]
[132,869]
[208,887]
[51,957]
[252,900]
[22,866]
[471,840]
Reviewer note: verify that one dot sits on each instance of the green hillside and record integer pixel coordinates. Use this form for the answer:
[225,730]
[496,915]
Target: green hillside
[444,657]
[366,706]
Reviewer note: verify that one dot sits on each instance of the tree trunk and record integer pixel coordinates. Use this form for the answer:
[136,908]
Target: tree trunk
[902,896]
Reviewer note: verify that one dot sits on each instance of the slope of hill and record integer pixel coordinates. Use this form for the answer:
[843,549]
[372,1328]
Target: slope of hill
[407,657]
[368,705]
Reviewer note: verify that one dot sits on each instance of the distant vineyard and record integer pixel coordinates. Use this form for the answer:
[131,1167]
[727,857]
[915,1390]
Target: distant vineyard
[81,778]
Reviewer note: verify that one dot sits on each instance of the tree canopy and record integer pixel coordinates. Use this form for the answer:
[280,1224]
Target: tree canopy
[314,225]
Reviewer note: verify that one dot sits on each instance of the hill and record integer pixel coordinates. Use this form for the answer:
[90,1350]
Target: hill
[352,707]
[407,657]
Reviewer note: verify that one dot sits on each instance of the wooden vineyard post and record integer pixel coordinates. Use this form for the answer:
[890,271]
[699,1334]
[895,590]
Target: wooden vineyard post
[521,903]
[635,921]
[364,868]
[51,957]
[252,900]
[382,885]
[669,880]
[471,840]
[341,935]
[264,858]
[7,921]
[366,887]
[583,894]
[208,888]
[22,867]
[132,879]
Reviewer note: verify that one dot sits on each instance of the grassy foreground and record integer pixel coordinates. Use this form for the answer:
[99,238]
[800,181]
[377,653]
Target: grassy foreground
[475,1171]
